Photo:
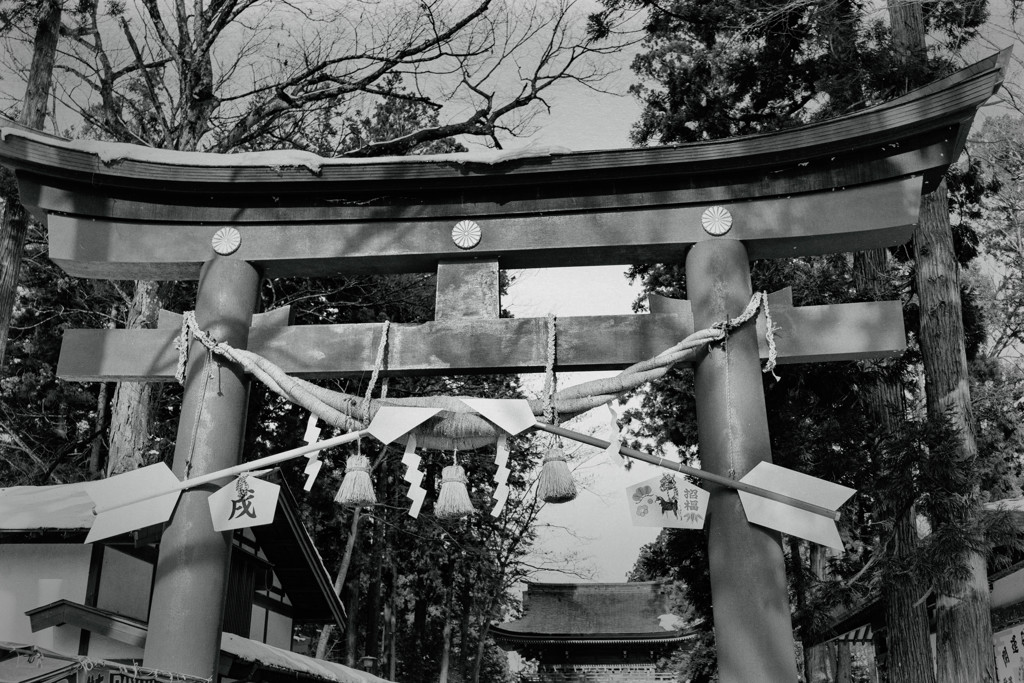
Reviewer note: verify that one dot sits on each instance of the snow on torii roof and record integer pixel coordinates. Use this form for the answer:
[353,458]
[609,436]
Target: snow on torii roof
[945,102]
[844,184]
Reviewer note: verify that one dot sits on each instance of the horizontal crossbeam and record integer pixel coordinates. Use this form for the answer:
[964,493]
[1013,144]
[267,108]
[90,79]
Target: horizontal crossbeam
[475,346]
[857,218]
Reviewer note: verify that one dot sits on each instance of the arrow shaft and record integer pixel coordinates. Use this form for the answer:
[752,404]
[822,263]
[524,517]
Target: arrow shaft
[244,467]
[692,471]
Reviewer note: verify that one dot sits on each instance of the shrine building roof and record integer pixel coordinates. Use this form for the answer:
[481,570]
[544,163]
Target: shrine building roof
[594,613]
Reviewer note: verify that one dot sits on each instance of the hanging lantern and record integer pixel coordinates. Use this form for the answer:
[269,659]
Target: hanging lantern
[356,487]
[453,500]
[555,484]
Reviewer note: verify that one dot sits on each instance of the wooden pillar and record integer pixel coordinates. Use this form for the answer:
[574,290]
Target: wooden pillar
[187,609]
[753,630]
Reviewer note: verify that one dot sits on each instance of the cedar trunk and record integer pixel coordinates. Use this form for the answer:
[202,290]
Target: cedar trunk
[14,225]
[963,630]
[130,412]
[96,449]
[374,598]
[446,650]
[339,581]
[963,626]
[352,610]
[908,648]
[906,616]
[844,662]
[818,658]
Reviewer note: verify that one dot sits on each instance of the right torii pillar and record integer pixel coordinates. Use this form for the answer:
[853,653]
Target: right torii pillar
[754,632]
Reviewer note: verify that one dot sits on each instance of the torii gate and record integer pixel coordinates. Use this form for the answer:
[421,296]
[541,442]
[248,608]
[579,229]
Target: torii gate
[847,184]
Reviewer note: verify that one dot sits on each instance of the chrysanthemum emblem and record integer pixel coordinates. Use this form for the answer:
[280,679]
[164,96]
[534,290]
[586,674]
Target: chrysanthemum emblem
[716,220]
[466,234]
[226,241]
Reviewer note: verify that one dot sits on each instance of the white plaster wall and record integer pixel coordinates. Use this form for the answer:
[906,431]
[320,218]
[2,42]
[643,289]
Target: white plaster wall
[279,631]
[125,583]
[36,574]
[1008,589]
[101,647]
[257,624]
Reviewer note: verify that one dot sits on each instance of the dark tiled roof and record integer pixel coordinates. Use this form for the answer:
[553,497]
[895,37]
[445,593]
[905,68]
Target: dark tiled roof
[596,610]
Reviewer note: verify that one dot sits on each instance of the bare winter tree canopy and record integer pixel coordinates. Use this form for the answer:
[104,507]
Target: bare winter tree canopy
[220,75]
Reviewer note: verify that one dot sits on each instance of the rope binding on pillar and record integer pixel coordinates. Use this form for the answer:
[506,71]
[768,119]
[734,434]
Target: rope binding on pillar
[757,302]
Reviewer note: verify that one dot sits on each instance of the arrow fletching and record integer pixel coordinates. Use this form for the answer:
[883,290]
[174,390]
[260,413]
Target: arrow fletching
[790,520]
[133,501]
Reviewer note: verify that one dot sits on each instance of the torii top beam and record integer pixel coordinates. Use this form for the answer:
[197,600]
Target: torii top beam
[120,211]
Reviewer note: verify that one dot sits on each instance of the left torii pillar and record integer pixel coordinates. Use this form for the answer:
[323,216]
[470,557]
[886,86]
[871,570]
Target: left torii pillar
[189,589]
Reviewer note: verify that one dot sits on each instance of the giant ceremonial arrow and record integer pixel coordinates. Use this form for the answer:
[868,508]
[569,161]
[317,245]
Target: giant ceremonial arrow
[772,496]
[147,496]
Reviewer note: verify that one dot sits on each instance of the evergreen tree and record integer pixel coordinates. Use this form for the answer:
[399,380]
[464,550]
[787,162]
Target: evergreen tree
[718,69]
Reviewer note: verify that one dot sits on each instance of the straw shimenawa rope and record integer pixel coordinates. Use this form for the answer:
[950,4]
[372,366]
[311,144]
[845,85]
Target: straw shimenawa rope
[456,426]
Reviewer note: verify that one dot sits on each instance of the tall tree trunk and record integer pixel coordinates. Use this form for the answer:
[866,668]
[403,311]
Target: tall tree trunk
[131,408]
[481,646]
[351,632]
[818,658]
[800,590]
[448,595]
[391,624]
[909,652]
[419,626]
[446,650]
[962,614]
[908,31]
[96,449]
[339,580]
[466,602]
[963,620]
[906,616]
[963,629]
[844,662]
[374,599]
[40,71]
[14,224]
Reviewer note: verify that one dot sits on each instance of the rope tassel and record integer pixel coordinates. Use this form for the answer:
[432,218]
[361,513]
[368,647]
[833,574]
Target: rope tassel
[555,484]
[356,487]
[453,500]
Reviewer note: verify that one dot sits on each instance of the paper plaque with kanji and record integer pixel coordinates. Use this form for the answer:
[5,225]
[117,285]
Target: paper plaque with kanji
[246,502]
[667,501]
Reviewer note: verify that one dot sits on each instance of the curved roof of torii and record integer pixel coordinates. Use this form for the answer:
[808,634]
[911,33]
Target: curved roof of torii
[300,214]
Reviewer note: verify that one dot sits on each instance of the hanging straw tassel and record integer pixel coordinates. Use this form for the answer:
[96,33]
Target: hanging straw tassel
[453,500]
[555,484]
[356,487]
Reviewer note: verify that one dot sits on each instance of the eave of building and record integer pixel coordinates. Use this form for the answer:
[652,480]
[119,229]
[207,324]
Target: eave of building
[241,657]
[668,638]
